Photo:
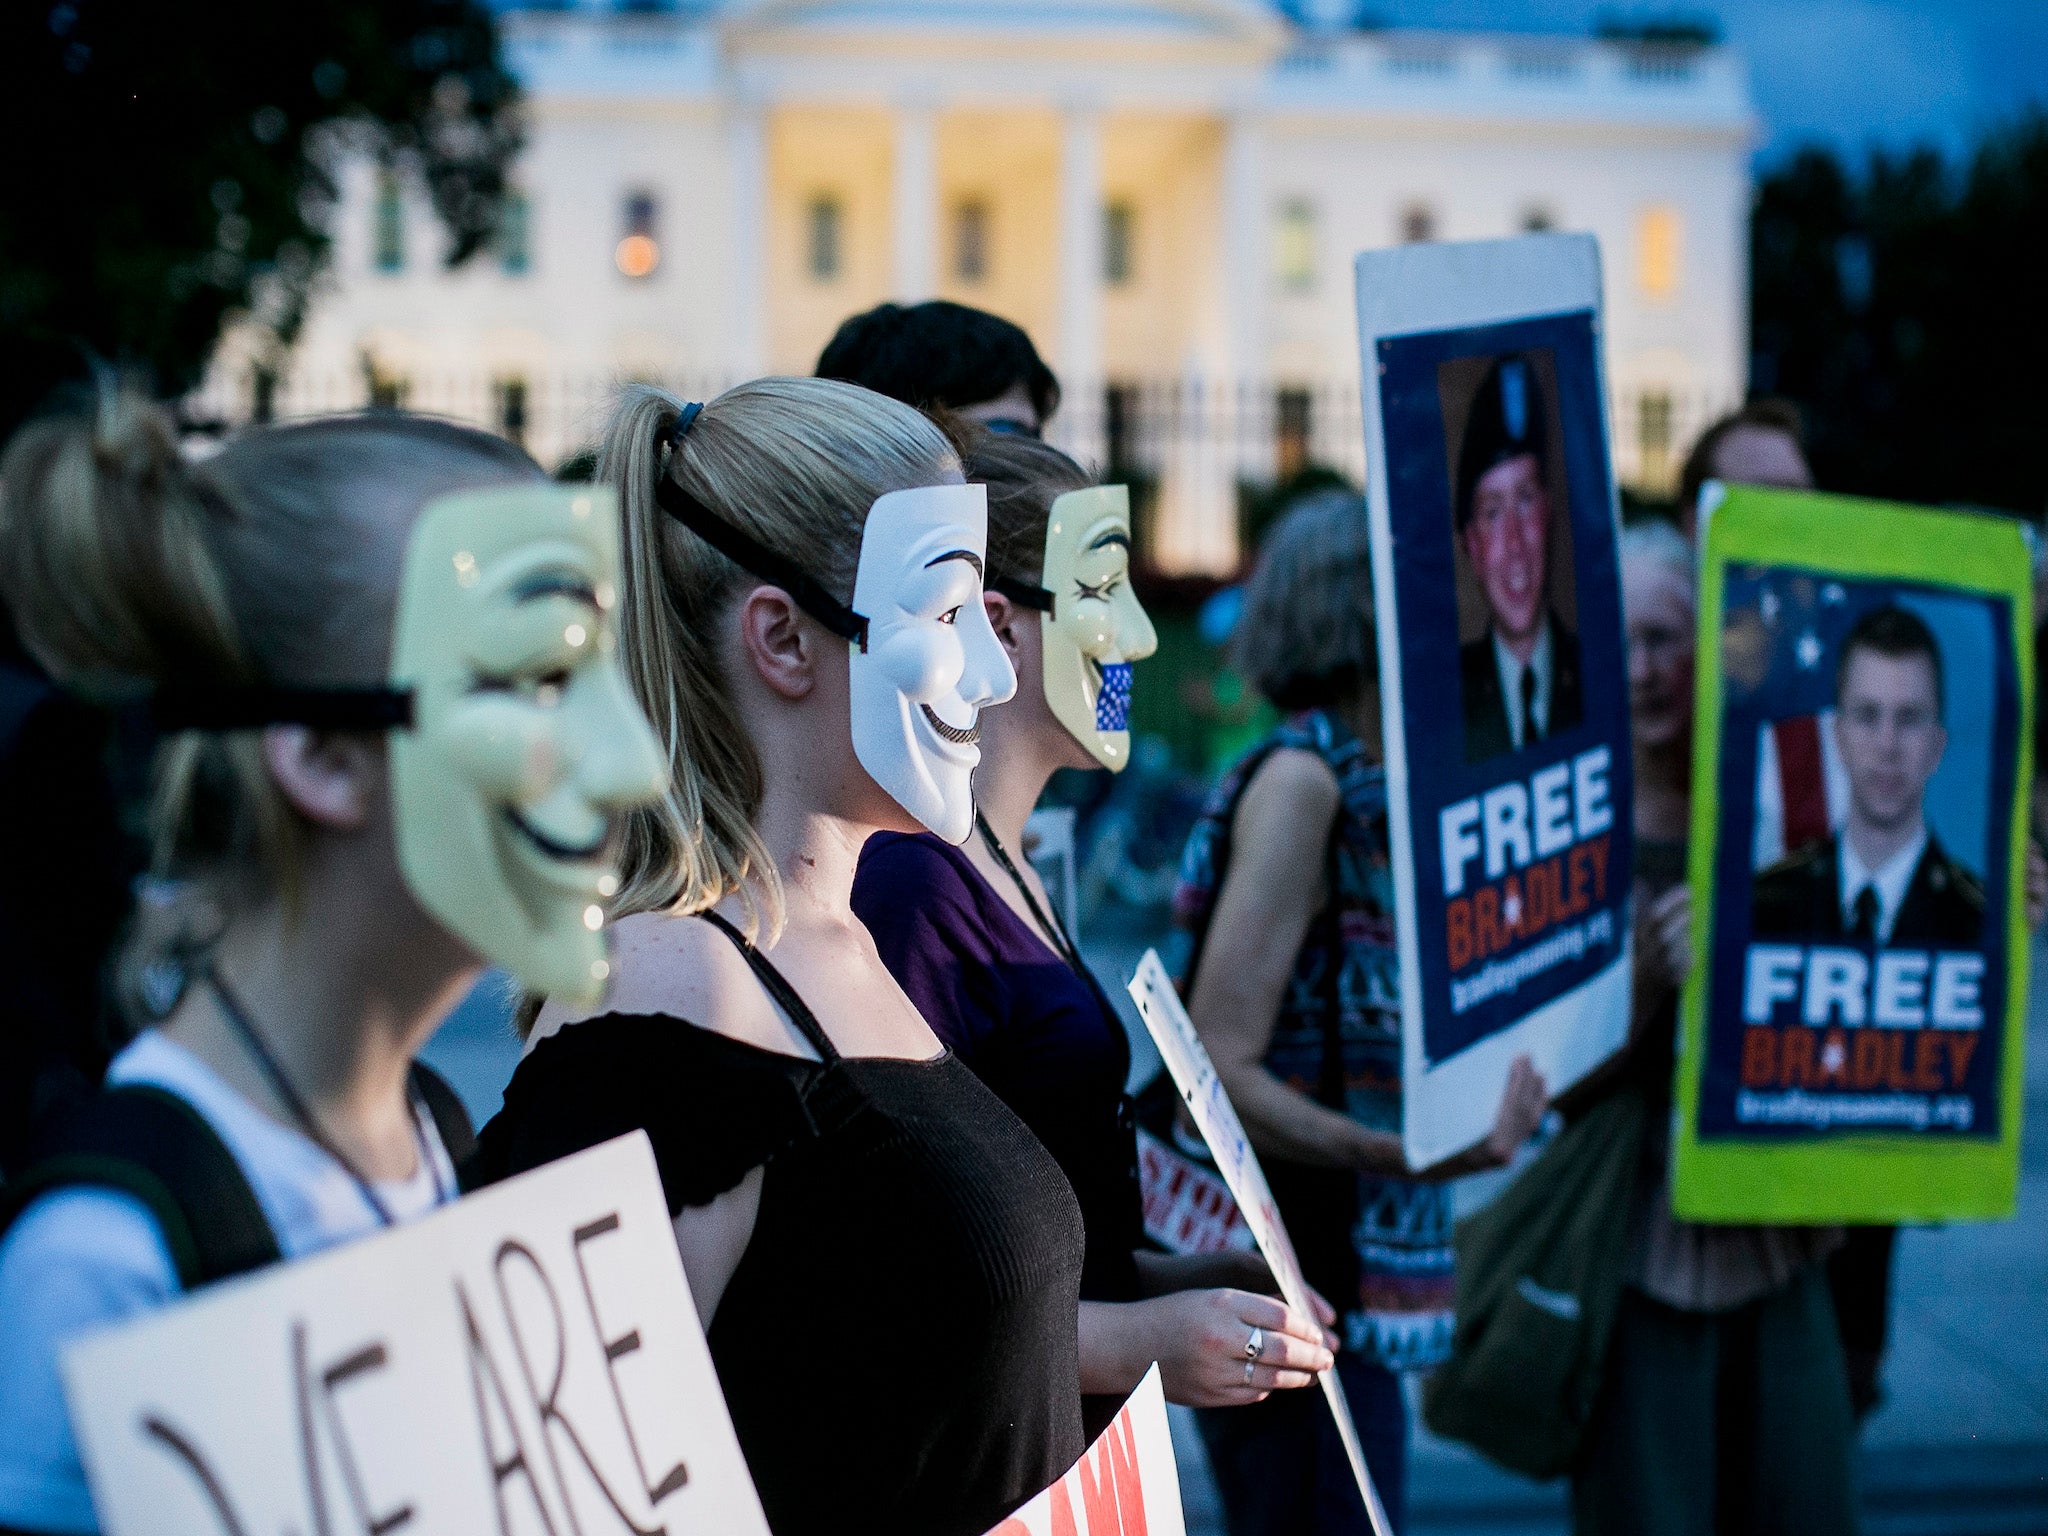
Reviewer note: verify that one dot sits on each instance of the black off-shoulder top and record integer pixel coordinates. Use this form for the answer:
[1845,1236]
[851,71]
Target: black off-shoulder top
[898,1346]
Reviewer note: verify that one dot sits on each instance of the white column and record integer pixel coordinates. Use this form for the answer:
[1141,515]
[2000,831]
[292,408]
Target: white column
[747,168]
[1246,285]
[1079,426]
[915,205]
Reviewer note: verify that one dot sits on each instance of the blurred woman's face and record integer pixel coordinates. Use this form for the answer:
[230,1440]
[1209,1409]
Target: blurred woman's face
[1658,608]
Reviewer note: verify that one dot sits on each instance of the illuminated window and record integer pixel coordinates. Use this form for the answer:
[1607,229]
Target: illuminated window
[822,237]
[1418,223]
[1119,236]
[515,256]
[389,234]
[639,251]
[1294,245]
[1657,251]
[970,241]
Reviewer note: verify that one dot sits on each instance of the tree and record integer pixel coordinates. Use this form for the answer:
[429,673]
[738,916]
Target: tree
[1904,308]
[172,167]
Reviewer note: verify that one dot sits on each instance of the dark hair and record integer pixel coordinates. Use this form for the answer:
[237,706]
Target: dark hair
[1305,637]
[1766,412]
[1024,477]
[1892,631]
[938,354]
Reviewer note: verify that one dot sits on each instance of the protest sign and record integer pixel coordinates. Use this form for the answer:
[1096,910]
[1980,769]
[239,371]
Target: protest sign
[1855,1014]
[1125,1484]
[526,1360]
[1188,1063]
[1187,1207]
[1503,678]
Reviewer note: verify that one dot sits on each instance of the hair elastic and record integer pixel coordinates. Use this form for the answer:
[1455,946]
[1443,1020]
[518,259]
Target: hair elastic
[679,429]
[749,553]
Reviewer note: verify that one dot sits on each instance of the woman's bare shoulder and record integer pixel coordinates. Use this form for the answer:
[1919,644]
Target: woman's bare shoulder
[1292,784]
[685,968]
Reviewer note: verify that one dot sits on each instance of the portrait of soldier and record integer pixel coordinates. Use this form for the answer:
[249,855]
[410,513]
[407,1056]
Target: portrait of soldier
[1881,878]
[1520,680]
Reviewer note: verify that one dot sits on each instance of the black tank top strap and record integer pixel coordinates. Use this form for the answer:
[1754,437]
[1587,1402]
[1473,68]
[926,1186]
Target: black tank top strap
[778,988]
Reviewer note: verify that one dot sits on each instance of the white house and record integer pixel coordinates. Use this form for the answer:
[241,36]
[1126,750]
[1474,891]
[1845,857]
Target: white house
[1165,193]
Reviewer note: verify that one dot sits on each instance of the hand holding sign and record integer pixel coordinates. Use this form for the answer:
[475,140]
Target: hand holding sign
[1188,1063]
[527,1360]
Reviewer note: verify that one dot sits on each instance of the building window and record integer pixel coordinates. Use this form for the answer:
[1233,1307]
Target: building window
[1294,245]
[970,241]
[1653,440]
[1418,223]
[1120,408]
[823,219]
[511,393]
[515,253]
[639,251]
[1657,251]
[387,391]
[1538,219]
[1119,236]
[1293,416]
[389,233]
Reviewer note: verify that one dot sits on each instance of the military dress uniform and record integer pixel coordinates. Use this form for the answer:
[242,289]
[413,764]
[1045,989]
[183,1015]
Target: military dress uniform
[1488,733]
[1800,897]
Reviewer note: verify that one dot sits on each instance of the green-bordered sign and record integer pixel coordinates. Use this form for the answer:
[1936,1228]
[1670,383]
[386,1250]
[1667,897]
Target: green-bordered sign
[1853,1025]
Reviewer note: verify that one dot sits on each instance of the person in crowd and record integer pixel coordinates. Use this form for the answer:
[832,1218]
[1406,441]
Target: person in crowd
[979,947]
[1293,982]
[1725,1405]
[1883,878]
[338,894]
[1764,443]
[1519,680]
[886,1261]
[947,356]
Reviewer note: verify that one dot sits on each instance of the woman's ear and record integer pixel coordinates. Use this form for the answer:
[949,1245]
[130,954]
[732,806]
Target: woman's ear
[328,777]
[777,643]
[1003,617]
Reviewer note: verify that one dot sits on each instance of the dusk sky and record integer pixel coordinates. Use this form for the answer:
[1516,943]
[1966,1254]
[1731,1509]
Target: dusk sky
[1856,73]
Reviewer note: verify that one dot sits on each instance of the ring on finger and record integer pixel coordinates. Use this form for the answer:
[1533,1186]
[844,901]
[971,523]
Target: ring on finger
[1255,1345]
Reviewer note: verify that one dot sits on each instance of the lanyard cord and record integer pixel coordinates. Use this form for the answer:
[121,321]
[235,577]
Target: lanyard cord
[1062,942]
[239,1018]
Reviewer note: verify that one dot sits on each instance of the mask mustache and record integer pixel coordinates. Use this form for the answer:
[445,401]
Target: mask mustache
[556,849]
[960,737]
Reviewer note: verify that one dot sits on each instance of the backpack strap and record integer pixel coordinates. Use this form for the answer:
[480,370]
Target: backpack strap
[151,1144]
[451,1120]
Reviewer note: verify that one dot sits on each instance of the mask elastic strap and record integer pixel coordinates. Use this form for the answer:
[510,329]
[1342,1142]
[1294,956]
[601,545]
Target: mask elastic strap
[1022,592]
[750,554]
[260,704]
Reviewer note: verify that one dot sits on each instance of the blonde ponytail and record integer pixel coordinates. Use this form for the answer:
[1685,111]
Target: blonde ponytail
[128,568]
[796,463]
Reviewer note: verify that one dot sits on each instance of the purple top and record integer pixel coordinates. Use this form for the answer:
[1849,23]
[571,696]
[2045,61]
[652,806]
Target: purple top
[1043,1038]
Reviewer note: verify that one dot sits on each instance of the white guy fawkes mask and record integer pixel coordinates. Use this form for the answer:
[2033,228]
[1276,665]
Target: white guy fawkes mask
[932,662]
[525,741]
[1095,627]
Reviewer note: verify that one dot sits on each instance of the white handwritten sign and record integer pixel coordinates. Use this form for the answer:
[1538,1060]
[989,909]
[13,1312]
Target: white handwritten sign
[527,1360]
[1181,1048]
[1125,1484]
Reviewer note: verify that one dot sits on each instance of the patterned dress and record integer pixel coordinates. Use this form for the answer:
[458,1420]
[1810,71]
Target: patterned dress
[1378,1248]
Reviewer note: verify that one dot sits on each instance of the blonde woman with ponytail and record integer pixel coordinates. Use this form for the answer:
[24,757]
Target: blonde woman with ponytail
[334,624]
[886,1261]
